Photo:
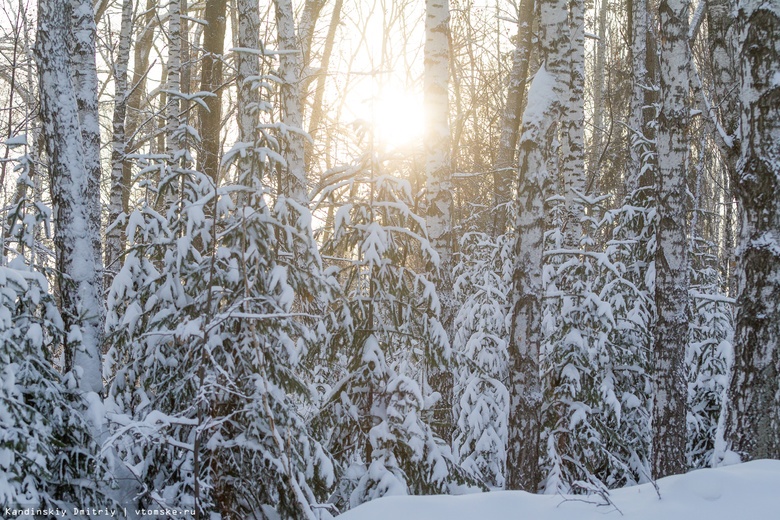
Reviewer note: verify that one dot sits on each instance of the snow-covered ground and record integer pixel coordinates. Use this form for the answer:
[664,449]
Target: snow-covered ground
[749,491]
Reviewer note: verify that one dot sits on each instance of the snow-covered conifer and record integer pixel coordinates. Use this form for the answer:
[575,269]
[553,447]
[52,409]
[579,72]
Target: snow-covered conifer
[377,414]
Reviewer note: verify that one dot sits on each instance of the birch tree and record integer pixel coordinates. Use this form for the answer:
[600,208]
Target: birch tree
[173,68]
[85,84]
[437,140]
[294,182]
[753,419]
[511,116]
[572,122]
[671,332]
[438,172]
[114,235]
[525,392]
[73,194]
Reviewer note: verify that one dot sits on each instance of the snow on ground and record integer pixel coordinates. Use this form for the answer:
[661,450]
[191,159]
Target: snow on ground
[748,491]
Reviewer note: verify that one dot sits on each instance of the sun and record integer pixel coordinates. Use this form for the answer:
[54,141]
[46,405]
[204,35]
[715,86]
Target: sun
[397,118]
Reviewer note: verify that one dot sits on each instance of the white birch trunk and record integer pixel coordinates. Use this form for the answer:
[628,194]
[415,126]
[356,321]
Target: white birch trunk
[753,418]
[248,64]
[511,115]
[721,42]
[671,262]
[437,136]
[598,90]
[525,386]
[115,236]
[294,184]
[85,82]
[173,65]
[73,197]
[572,122]
[438,176]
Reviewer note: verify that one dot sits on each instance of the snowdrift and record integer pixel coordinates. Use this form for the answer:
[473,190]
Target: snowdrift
[748,491]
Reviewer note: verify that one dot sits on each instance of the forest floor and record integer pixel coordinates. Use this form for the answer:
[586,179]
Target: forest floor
[749,491]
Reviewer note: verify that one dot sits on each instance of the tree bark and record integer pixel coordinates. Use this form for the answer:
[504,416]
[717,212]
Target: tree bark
[671,262]
[135,98]
[85,83]
[248,65]
[115,239]
[73,194]
[506,167]
[572,122]
[294,182]
[173,67]
[211,81]
[598,91]
[438,175]
[525,386]
[753,416]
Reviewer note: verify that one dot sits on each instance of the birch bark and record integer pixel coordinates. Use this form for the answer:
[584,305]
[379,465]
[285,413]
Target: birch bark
[438,175]
[85,83]
[248,65]
[641,85]
[505,169]
[294,182]
[753,414]
[114,236]
[671,261]
[73,195]
[173,65]
[437,139]
[525,387]
[572,122]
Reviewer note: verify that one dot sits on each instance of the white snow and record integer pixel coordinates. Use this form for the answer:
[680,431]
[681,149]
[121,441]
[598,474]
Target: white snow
[749,491]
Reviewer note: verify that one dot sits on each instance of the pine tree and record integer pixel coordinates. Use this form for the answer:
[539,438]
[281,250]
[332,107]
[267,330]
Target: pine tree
[208,340]
[48,455]
[377,413]
[479,345]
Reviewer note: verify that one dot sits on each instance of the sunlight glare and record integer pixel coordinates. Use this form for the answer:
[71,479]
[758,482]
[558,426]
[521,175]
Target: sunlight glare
[398,119]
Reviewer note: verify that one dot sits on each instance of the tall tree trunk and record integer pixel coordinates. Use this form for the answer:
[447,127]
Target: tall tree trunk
[753,418]
[73,191]
[598,91]
[437,129]
[211,81]
[721,42]
[641,164]
[173,68]
[438,175]
[525,386]
[294,182]
[506,167]
[572,122]
[671,262]
[85,83]
[115,240]
[248,65]
[136,96]
[317,109]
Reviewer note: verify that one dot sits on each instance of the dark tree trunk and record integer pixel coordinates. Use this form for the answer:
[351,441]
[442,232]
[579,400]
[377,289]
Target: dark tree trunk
[211,81]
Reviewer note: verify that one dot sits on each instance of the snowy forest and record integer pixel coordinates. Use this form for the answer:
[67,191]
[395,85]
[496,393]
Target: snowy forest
[273,259]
